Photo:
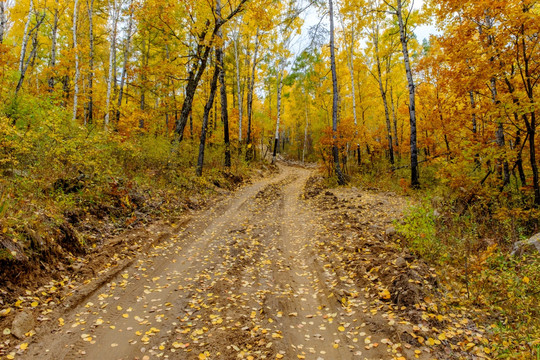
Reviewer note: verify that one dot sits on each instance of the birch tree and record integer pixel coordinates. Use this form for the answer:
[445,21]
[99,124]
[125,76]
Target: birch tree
[127,44]
[335,150]
[114,14]
[77,70]
[398,9]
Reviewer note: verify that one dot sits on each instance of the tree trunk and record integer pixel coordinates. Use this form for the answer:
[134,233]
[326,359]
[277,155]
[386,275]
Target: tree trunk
[383,89]
[2,21]
[126,58]
[304,148]
[251,89]
[207,108]
[31,58]
[26,36]
[54,35]
[519,161]
[90,106]
[77,71]
[144,63]
[195,74]
[335,151]
[415,182]
[276,137]
[239,94]
[113,18]
[353,89]
[395,120]
[223,93]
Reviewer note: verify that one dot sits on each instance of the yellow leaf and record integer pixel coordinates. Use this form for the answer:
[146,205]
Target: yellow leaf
[341,328]
[335,346]
[442,337]
[430,342]
[125,316]
[202,356]
[24,346]
[279,356]
[34,304]
[385,294]
[526,280]
[7,331]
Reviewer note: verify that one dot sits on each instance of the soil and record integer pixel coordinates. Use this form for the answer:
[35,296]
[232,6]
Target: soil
[284,268]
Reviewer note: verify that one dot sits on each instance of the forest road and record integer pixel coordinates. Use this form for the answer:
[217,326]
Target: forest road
[240,281]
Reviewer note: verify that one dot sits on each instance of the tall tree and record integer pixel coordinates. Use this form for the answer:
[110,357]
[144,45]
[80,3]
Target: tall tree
[206,115]
[127,52]
[335,95]
[3,21]
[54,39]
[251,89]
[90,104]
[114,14]
[76,50]
[200,60]
[402,15]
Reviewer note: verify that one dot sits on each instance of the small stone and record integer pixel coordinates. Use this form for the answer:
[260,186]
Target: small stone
[400,262]
[391,231]
[529,246]
[22,324]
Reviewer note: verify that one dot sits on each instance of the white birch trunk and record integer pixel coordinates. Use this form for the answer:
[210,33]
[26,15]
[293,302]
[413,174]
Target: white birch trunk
[126,57]
[113,16]
[77,71]
[26,36]
[278,119]
[412,94]
[2,20]
[236,56]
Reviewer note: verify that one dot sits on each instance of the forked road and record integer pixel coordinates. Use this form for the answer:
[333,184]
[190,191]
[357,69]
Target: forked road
[242,280]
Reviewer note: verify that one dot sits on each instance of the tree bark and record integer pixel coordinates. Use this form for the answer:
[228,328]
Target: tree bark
[207,108]
[26,61]
[335,150]
[114,13]
[54,36]
[2,21]
[415,182]
[383,90]
[77,70]
[239,94]
[223,93]
[395,120]
[90,105]
[26,36]
[251,89]
[195,74]
[276,137]
[127,45]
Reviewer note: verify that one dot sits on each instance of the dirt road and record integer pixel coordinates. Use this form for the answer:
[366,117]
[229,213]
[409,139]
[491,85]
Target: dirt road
[242,280]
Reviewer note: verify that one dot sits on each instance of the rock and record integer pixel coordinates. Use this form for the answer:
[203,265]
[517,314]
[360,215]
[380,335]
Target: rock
[528,246]
[390,231]
[23,323]
[400,262]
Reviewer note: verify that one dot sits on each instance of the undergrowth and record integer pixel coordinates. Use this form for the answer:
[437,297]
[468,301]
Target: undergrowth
[59,180]
[467,231]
